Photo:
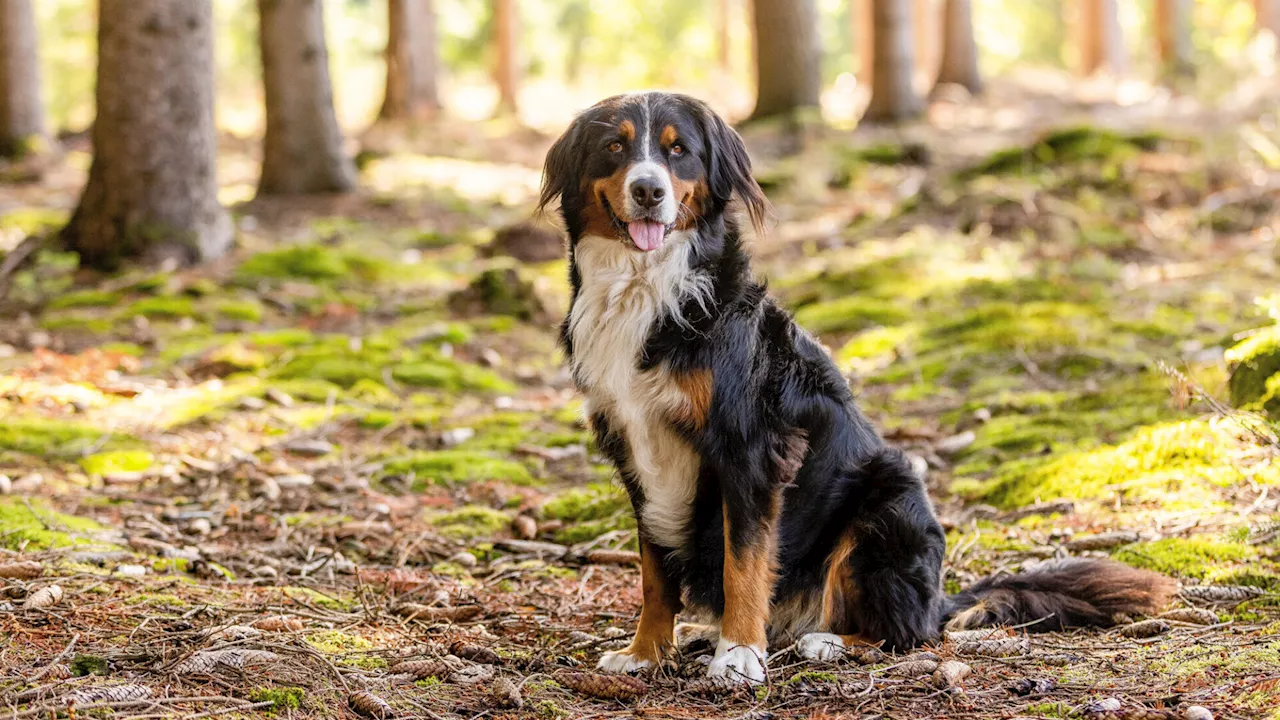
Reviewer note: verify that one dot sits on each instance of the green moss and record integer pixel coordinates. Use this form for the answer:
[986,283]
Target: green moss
[471,521]
[117,462]
[1070,145]
[55,438]
[341,367]
[162,307]
[447,374]
[158,600]
[458,466]
[30,523]
[85,298]
[309,262]
[243,310]
[82,665]
[1254,361]
[428,682]
[281,698]
[34,220]
[1194,557]
[849,314]
[350,647]
[1048,709]
[811,676]
[876,342]
[1214,662]
[1183,460]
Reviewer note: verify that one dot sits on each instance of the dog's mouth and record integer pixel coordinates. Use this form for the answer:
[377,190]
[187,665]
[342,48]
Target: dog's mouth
[644,234]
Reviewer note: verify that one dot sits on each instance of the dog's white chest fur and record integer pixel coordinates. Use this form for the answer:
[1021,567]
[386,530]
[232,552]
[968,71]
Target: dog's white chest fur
[623,293]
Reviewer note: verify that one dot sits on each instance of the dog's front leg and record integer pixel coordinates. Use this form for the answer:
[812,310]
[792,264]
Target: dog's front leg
[655,634]
[749,570]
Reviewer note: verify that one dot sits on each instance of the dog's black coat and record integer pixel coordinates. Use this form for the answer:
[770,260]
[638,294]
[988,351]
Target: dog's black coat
[776,389]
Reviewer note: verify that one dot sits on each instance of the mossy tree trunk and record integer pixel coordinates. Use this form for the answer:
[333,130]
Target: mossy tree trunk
[22,119]
[152,189]
[302,151]
[1099,39]
[788,57]
[893,93]
[959,47]
[506,50]
[1173,37]
[413,61]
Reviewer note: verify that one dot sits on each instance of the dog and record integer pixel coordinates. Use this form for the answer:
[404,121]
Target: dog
[765,501]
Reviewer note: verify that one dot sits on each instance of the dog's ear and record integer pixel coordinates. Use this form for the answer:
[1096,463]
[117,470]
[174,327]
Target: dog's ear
[563,166]
[729,169]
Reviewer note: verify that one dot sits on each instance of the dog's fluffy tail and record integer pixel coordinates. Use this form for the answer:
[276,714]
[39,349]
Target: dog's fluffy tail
[1058,595]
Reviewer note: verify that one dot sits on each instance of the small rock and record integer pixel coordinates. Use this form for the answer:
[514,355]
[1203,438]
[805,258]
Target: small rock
[490,358]
[131,570]
[955,443]
[28,483]
[1102,705]
[7,351]
[296,480]
[283,399]
[456,436]
[309,448]
[982,415]
[269,489]
[199,526]
[524,527]
[252,403]
[39,339]
[1196,712]
[265,571]
[504,402]
[6,485]
[465,559]
[381,509]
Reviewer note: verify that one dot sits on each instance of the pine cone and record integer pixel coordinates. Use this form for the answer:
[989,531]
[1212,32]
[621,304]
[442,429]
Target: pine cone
[1220,593]
[476,653]
[913,668]
[1195,616]
[1004,647]
[369,705]
[963,636]
[864,654]
[1145,629]
[418,611]
[610,687]
[25,570]
[1029,686]
[950,673]
[207,662]
[613,557]
[47,596]
[113,694]
[506,694]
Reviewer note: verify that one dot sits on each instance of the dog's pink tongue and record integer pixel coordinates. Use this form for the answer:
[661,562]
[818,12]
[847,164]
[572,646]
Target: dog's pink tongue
[646,235]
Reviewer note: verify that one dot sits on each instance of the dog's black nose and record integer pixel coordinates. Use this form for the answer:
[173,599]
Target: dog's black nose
[647,192]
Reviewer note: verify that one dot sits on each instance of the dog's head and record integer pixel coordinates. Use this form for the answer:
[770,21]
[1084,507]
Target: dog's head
[637,167]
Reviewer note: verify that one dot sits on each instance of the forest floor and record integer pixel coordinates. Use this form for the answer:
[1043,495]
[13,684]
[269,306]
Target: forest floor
[263,485]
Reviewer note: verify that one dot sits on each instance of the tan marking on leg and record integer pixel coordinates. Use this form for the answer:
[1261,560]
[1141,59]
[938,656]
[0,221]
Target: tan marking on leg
[838,591]
[696,386]
[656,632]
[749,574]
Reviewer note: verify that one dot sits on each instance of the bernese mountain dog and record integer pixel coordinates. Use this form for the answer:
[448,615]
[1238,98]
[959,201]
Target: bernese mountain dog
[766,502]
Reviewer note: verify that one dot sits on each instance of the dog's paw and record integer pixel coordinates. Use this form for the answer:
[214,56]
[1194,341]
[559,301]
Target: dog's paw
[622,661]
[738,663]
[820,646]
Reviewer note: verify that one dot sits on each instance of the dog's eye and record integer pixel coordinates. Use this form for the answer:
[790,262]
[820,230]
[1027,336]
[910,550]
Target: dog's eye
[615,146]
[677,149]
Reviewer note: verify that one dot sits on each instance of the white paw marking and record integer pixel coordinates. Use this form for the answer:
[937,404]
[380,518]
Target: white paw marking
[738,663]
[621,661]
[820,646]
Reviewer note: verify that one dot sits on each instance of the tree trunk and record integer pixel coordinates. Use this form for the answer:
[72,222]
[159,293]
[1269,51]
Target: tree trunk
[959,48]
[152,189]
[1173,37]
[723,35]
[927,34]
[22,123]
[506,71]
[893,95]
[1100,41]
[413,61]
[302,151]
[863,17]
[788,59]
[1266,15]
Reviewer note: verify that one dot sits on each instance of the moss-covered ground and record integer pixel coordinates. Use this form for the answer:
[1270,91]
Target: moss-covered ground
[361,410]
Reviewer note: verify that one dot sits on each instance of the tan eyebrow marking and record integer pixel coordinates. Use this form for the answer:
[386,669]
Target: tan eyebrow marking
[668,135]
[627,130]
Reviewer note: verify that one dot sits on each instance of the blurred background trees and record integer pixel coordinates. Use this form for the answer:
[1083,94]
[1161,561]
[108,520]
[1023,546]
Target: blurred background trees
[309,77]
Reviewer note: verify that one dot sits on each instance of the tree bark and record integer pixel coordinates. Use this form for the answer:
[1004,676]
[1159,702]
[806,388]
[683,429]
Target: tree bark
[959,48]
[1173,37]
[413,61]
[152,189]
[22,120]
[723,35]
[893,94]
[788,69]
[927,36]
[863,17]
[1101,44]
[506,71]
[302,151]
